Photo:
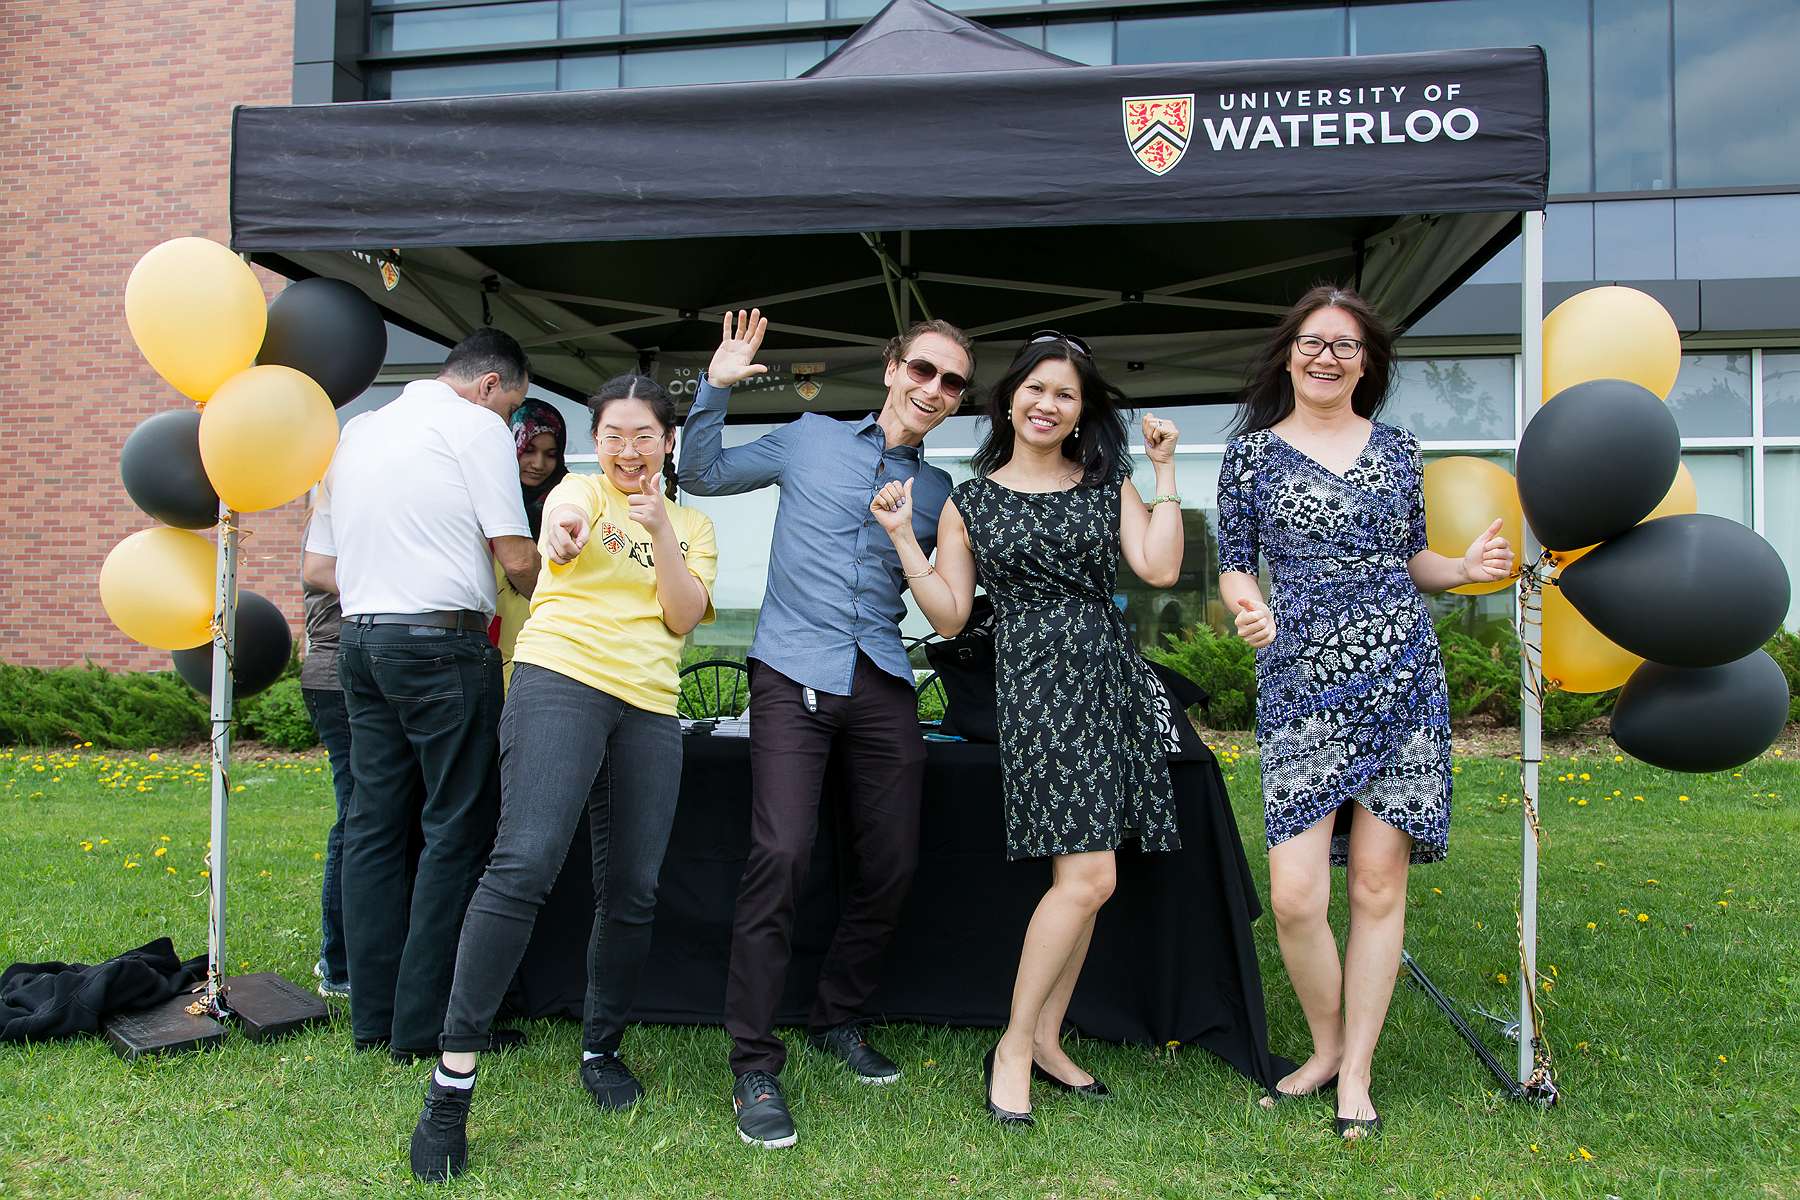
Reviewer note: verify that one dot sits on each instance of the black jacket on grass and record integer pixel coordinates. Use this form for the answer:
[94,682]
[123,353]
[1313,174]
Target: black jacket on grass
[46,1000]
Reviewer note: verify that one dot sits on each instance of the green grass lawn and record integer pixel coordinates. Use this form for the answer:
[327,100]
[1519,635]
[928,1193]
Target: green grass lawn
[1669,942]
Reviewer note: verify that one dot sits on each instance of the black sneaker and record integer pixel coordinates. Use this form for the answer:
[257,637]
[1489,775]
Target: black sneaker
[848,1043]
[762,1112]
[610,1082]
[440,1141]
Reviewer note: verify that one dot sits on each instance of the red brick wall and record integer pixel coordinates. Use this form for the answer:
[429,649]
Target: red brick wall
[115,136]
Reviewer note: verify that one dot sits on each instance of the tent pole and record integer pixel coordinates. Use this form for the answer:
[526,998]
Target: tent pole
[906,293]
[224,639]
[1531,641]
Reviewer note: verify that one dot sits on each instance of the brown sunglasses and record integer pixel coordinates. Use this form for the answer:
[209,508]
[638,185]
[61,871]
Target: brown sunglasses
[922,371]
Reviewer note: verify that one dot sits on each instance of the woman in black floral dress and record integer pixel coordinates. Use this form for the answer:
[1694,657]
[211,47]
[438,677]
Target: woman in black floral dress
[1044,523]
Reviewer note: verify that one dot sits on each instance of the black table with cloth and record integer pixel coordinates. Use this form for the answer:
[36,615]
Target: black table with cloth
[1172,957]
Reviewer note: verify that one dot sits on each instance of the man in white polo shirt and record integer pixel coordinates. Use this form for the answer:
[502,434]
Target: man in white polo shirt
[417,493]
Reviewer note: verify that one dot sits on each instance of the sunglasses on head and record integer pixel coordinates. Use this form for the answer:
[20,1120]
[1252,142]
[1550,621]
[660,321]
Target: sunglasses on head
[1051,335]
[922,371]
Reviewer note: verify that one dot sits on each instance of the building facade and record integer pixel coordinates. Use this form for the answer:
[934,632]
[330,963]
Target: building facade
[1675,168]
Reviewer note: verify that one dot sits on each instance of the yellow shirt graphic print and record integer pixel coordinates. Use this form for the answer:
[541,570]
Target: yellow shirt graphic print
[596,619]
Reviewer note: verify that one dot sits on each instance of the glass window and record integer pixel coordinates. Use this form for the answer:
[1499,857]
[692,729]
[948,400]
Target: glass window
[464,79]
[1089,42]
[1559,27]
[1737,95]
[1031,35]
[1781,403]
[1199,424]
[586,72]
[1722,481]
[1219,37]
[590,18]
[1452,399]
[657,16]
[720,64]
[1712,395]
[487,25]
[1632,105]
[1151,613]
[868,8]
[1781,495]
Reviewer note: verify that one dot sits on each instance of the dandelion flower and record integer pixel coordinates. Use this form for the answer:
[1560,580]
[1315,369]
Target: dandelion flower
[1642,917]
[1722,1058]
[87,846]
[1591,925]
[1683,799]
[1499,976]
[1585,1156]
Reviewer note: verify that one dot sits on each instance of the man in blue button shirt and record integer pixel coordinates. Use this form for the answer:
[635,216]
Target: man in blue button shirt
[827,668]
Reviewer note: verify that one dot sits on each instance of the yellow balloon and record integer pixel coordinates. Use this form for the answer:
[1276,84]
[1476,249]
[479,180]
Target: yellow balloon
[197,313]
[1611,333]
[1578,657]
[1682,497]
[266,436]
[1463,495]
[157,586]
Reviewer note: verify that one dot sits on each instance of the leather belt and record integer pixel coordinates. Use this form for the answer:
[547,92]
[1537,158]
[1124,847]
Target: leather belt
[473,622]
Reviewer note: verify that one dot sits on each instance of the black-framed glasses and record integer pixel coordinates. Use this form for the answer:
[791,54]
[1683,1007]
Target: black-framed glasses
[1051,335]
[643,443]
[922,371]
[1342,349]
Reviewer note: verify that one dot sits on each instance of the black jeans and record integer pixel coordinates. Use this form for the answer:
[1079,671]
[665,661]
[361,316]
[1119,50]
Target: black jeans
[332,722]
[565,746]
[424,708]
[878,725]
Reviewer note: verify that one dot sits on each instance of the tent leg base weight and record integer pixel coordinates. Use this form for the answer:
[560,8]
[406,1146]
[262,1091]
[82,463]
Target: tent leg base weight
[166,1028]
[1542,1093]
[267,1006]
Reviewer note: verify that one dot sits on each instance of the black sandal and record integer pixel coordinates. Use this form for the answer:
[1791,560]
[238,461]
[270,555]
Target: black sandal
[1354,1129]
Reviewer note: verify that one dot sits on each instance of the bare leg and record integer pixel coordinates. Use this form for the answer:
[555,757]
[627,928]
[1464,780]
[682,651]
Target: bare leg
[1080,884]
[1046,1041]
[1300,894]
[460,1061]
[1378,863]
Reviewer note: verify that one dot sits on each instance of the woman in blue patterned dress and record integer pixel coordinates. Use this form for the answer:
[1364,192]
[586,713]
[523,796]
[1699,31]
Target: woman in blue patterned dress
[1352,719]
[1045,521]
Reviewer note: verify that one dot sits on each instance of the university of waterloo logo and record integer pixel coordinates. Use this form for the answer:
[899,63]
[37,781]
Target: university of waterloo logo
[1157,128]
[612,537]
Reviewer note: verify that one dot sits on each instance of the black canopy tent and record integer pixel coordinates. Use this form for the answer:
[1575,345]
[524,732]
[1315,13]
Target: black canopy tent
[1169,214]
[1166,213]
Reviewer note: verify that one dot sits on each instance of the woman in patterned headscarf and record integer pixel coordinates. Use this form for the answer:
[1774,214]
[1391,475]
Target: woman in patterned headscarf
[541,437]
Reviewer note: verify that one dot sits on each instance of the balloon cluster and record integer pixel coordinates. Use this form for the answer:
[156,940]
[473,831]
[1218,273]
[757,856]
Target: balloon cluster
[266,382]
[1672,604]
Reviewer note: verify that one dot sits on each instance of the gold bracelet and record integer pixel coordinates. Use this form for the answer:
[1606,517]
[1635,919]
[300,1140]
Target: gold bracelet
[929,570]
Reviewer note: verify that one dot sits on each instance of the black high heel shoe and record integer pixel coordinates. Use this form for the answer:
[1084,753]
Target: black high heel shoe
[1353,1129]
[1280,1097]
[1023,1120]
[1093,1091]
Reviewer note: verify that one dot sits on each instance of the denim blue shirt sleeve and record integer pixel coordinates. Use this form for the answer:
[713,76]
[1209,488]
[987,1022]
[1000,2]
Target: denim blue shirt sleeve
[835,581]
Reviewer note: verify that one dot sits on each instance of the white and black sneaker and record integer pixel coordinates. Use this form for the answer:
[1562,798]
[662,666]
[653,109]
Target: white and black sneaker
[763,1118]
[440,1142]
[849,1043]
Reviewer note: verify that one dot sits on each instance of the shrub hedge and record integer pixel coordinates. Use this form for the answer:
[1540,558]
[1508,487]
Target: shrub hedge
[141,709]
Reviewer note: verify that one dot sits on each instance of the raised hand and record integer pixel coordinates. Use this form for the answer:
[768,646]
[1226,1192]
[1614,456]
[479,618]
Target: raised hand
[1489,558]
[893,507]
[1255,623]
[647,508]
[733,362]
[1159,438]
[567,534]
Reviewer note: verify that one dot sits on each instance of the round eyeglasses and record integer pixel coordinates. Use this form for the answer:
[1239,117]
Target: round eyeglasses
[1341,348]
[643,443]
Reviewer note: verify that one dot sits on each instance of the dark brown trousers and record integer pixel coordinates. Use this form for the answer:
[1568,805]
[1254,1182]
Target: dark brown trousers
[877,729]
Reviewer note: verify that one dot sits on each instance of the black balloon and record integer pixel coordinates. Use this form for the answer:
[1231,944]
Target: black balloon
[260,655]
[160,464]
[1594,461]
[1705,719]
[1688,591]
[329,330]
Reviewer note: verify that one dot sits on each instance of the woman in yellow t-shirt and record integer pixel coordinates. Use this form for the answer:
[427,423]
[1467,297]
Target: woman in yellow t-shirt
[589,724]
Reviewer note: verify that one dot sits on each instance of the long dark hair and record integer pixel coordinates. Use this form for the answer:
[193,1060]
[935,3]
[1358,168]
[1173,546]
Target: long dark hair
[662,407]
[1268,390]
[1099,441]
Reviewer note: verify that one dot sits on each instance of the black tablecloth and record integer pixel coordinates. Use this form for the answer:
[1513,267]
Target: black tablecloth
[1171,960]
